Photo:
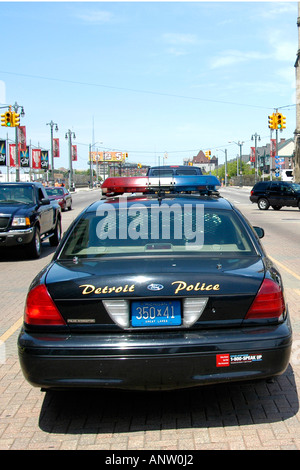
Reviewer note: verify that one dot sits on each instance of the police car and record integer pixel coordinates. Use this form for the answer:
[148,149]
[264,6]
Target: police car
[168,287]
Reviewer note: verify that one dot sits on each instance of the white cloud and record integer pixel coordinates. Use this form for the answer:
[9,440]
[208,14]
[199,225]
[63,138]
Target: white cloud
[176,52]
[233,57]
[179,39]
[277,9]
[96,16]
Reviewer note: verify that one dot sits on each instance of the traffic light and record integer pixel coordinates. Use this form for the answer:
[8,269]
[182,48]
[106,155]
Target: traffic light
[279,121]
[208,154]
[283,122]
[272,121]
[15,119]
[6,119]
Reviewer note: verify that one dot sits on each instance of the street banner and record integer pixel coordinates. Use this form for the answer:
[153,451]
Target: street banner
[2,152]
[24,158]
[74,153]
[12,155]
[36,159]
[22,138]
[273,148]
[107,157]
[44,160]
[56,148]
[252,155]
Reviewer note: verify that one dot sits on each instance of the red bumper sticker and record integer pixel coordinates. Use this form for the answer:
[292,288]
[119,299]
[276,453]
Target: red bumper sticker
[223,360]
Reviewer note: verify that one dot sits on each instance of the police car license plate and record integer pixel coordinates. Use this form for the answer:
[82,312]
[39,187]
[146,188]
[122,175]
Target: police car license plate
[156,313]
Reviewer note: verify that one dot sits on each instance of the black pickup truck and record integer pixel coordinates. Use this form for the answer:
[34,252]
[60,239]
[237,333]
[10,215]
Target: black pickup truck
[27,217]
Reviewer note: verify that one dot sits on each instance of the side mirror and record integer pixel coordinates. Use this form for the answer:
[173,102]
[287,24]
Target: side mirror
[45,201]
[259,231]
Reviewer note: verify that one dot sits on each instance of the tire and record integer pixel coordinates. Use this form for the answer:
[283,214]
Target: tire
[34,248]
[56,237]
[70,206]
[276,208]
[263,204]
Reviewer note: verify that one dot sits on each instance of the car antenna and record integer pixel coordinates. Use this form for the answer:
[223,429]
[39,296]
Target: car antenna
[160,195]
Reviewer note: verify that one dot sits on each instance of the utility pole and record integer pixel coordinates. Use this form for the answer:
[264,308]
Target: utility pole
[69,136]
[52,124]
[297,130]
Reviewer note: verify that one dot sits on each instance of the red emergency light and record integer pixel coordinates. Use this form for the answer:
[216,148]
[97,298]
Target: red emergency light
[125,184]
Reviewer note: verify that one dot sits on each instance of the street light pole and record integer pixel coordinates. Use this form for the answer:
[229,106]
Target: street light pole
[52,124]
[69,136]
[16,107]
[240,144]
[255,137]
[225,151]
[90,157]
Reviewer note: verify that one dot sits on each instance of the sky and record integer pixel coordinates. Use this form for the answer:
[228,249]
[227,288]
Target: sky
[153,79]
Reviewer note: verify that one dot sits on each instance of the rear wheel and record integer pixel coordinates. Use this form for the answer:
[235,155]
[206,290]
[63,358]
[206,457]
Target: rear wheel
[263,204]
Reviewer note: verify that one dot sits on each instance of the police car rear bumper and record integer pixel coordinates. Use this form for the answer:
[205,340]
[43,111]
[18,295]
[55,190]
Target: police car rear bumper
[155,361]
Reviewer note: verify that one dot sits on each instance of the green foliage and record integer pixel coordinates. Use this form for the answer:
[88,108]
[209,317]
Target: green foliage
[231,170]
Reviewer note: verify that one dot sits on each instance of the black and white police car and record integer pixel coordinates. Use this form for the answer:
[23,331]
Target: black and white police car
[158,290]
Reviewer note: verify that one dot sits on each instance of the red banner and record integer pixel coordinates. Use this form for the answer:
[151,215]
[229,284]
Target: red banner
[56,148]
[12,155]
[36,159]
[74,153]
[22,138]
[273,148]
[252,155]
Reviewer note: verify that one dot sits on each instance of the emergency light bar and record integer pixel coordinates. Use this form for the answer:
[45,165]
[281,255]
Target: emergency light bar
[147,185]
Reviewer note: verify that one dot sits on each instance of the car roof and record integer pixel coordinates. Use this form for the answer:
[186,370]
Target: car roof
[166,167]
[23,183]
[148,200]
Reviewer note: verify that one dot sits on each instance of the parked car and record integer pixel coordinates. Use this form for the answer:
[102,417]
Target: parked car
[276,194]
[27,217]
[173,170]
[287,175]
[156,292]
[61,195]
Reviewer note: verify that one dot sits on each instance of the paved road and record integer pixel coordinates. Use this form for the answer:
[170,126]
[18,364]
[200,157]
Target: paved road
[251,415]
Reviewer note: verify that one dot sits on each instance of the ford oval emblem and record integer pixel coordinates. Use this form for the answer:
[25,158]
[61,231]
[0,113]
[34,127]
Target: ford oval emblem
[155,287]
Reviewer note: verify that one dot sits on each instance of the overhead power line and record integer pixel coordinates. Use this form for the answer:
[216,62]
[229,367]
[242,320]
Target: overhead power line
[133,90]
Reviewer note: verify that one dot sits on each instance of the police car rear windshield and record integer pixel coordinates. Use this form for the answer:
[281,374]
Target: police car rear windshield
[160,229]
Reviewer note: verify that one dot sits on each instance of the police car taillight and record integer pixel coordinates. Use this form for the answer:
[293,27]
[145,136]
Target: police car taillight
[268,303]
[40,308]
